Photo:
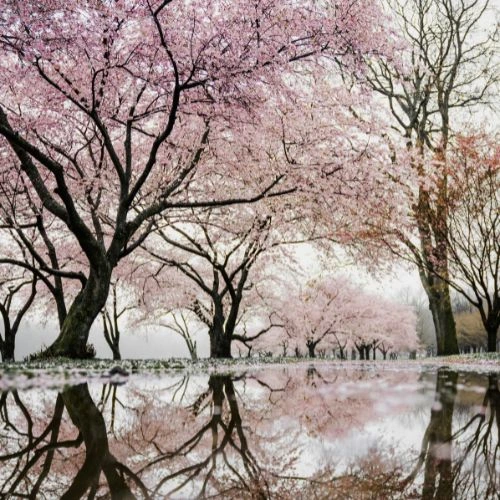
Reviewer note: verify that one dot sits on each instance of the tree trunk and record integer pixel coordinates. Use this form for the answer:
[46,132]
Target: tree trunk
[367,352]
[72,340]
[438,293]
[8,348]
[311,348]
[220,344]
[220,347]
[114,345]
[116,353]
[284,350]
[492,331]
[361,351]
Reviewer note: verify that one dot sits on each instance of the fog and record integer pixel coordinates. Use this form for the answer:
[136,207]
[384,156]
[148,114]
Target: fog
[158,343]
[137,344]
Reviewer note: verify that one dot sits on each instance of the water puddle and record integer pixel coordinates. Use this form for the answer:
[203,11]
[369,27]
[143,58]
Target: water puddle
[315,431]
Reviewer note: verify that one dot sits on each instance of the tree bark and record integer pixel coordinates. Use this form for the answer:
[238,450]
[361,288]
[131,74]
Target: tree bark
[492,331]
[116,353]
[311,348]
[8,348]
[72,340]
[220,348]
[220,342]
[113,342]
[438,294]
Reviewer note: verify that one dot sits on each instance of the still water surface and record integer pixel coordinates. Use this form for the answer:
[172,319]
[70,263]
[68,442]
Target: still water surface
[296,431]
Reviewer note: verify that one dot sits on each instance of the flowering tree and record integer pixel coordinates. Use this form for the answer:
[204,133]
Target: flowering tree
[230,253]
[180,321]
[108,108]
[217,274]
[121,304]
[318,314]
[27,256]
[395,328]
[332,313]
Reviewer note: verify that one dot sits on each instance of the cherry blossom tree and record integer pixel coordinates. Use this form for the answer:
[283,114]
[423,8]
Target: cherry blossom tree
[218,273]
[396,328]
[27,257]
[180,321]
[109,108]
[332,313]
[218,249]
[121,304]
[314,313]
[33,242]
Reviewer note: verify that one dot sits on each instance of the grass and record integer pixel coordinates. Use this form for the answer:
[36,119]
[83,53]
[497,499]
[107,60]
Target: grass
[63,371]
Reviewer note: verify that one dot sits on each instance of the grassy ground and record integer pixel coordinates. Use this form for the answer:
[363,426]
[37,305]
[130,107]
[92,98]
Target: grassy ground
[61,372]
[61,365]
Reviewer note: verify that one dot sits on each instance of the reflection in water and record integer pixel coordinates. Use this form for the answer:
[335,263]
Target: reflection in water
[313,432]
[89,421]
[436,451]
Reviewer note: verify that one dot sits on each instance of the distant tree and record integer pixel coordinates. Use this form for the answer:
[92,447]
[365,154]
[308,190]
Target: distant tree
[181,322]
[212,264]
[331,313]
[121,303]
[17,294]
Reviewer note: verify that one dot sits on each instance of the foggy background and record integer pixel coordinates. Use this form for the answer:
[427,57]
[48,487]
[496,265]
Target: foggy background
[159,343]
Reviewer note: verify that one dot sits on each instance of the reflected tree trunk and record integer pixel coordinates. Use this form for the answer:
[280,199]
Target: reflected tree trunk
[90,422]
[436,453]
[226,432]
[438,463]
